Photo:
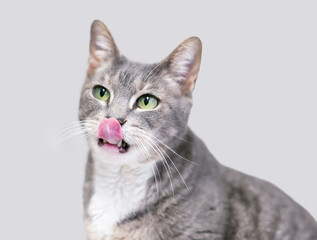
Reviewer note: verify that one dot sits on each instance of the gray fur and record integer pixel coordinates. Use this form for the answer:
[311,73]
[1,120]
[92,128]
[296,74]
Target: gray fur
[220,203]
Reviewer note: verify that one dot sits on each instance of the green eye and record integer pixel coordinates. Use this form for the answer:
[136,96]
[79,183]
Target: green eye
[101,93]
[147,102]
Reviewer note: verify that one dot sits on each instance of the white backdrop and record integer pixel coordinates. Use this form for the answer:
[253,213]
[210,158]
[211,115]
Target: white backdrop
[254,103]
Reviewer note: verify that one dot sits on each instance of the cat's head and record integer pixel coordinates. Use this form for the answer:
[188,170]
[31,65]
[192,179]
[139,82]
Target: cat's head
[140,107]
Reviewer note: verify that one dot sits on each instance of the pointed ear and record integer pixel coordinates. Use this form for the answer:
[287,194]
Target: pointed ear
[184,63]
[102,46]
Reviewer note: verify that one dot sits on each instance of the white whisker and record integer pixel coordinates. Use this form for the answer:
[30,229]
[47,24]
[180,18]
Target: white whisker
[70,133]
[147,76]
[157,145]
[169,148]
[166,168]
[149,156]
[75,131]
[140,144]
[160,154]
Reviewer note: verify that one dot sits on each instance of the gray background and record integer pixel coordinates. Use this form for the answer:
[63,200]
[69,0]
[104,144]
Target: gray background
[254,104]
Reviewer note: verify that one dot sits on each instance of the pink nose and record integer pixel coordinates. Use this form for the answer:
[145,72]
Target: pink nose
[110,129]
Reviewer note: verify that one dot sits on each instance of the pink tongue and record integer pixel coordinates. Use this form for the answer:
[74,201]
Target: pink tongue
[110,129]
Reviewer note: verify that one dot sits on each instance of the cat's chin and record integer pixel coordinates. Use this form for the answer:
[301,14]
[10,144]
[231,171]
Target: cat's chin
[112,154]
[121,147]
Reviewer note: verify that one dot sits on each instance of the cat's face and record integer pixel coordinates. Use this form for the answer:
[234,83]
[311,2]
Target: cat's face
[150,101]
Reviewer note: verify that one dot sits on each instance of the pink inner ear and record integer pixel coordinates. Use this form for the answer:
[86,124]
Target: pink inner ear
[185,63]
[110,130]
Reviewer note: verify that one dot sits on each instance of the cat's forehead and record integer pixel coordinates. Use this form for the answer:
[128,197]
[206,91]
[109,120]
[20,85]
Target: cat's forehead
[132,77]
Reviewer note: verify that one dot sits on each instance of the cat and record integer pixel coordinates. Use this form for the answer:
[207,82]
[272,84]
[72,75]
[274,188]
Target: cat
[148,176]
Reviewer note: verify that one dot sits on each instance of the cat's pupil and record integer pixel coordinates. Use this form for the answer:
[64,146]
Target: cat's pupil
[146,100]
[102,92]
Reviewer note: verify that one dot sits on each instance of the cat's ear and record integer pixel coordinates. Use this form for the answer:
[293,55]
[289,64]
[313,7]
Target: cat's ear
[184,63]
[102,46]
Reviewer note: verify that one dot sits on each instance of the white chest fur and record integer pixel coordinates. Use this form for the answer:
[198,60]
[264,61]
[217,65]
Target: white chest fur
[118,191]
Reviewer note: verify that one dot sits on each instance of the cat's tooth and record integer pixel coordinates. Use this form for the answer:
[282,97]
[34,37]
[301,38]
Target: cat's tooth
[104,141]
[119,144]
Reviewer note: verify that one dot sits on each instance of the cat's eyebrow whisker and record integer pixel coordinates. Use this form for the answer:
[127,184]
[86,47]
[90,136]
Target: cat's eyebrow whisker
[150,73]
[125,75]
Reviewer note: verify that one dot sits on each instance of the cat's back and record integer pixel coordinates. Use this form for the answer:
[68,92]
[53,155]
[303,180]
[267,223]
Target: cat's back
[251,208]
[257,209]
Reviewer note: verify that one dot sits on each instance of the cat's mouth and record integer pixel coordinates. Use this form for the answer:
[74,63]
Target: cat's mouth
[121,145]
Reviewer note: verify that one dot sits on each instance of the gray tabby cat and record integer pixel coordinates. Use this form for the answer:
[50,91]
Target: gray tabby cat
[148,176]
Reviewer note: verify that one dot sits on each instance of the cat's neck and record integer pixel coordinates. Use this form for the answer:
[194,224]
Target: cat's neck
[118,191]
